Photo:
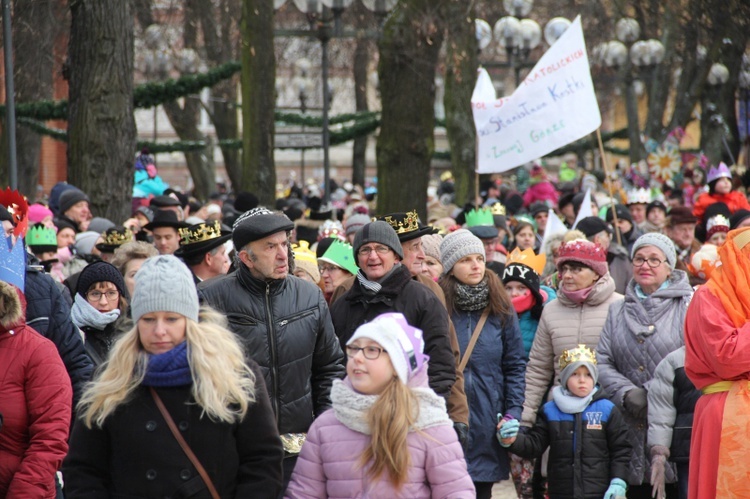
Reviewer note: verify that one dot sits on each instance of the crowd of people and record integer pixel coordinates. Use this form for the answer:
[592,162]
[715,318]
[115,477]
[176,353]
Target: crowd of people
[581,338]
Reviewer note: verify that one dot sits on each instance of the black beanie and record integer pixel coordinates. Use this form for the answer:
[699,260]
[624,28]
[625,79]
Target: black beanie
[70,198]
[100,272]
[245,201]
[526,276]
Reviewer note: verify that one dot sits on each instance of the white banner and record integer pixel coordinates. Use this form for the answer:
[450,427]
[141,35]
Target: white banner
[553,106]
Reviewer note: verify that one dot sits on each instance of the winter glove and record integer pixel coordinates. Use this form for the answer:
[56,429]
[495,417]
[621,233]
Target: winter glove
[616,488]
[636,402]
[462,432]
[659,456]
[507,432]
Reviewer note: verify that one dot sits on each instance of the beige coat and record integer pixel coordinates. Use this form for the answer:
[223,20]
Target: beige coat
[563,325]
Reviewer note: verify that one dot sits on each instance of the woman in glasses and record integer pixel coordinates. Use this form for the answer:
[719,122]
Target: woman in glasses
[100,308]
[640,331]
[336,266]
[576,317]
[388,434]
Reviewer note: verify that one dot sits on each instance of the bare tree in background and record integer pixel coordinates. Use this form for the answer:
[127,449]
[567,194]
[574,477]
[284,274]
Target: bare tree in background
[101,127]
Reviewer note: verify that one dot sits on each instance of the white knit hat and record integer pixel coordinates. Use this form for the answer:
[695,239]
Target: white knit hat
[164,284]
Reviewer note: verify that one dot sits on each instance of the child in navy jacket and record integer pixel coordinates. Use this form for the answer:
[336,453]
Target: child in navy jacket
[586,434]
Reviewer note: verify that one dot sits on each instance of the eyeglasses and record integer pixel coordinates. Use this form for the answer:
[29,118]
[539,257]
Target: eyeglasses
[573,269]
[380,250]
[370,352]
[652,262]
[327,268]
[97,295]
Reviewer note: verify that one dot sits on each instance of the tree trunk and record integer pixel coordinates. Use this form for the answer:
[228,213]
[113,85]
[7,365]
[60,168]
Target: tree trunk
[660,85]
[101,127]
[34,36]
[361,62]
[258,100]
[460,78]
[409,48]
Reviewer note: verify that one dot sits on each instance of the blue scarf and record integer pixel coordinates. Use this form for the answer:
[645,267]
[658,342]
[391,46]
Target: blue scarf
[169,369]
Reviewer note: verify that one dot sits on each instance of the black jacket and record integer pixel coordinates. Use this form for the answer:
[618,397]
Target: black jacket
[135,455]
[99,342]
[422,309]
[587,450]
[49,314]
[286,328]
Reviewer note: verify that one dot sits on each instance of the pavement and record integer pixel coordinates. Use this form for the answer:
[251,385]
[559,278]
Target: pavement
[504,490]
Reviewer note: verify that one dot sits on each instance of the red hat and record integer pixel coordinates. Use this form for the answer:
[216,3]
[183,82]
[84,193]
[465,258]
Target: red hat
[584,252]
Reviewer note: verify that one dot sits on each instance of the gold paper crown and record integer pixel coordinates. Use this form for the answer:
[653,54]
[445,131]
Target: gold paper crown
[581,353]
[114,237]
[529,258]
[410,223]
[446,176]
[203,232]
[497,209]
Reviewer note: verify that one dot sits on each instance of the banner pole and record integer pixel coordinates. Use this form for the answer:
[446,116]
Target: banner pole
[605,164]
[476,188]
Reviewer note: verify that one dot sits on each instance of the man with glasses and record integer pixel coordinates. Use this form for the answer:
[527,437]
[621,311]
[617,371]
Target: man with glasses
[283,322]
[384,284]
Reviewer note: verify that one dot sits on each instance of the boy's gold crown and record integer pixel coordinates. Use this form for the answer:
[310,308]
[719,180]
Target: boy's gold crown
[581,353]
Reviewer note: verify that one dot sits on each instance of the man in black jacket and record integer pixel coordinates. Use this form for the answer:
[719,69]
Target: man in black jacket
[382,285]
[282,321]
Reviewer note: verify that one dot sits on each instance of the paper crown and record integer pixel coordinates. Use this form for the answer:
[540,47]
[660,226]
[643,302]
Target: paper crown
[302,251]
[529,258]
[39,235]
[639,196]
[340,254]
[716,173]
[117,237]
[13,263]
[581,353]
[331,228]
[526,219]
[197,233]
[719,223]
[446,176]
[410,223]
[18,208]
[482,216]
[497,209]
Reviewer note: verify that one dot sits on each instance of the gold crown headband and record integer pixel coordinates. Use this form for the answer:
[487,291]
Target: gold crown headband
[410,223]
[204,232]
[117,238]
[581,353]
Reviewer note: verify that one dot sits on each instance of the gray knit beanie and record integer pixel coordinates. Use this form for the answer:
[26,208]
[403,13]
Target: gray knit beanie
[457,245]
[377,232]
[660,241]
[431,245]
[164,284]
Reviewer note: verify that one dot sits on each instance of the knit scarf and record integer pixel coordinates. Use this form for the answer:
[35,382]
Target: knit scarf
[470,298]
[579,296]
[83,314]
[373,287]
[169,369]
[569,403]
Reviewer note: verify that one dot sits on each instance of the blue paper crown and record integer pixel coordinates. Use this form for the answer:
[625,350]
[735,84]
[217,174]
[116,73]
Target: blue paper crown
[13,263]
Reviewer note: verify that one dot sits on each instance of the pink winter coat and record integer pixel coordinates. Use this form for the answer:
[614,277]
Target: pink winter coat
[35,402]
[328,465]
[543,191]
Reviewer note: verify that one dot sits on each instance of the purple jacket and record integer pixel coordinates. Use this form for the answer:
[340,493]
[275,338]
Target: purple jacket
[328,465]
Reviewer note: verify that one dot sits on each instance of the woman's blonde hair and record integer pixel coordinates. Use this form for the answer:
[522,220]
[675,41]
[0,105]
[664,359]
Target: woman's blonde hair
[390,418]
[223,384]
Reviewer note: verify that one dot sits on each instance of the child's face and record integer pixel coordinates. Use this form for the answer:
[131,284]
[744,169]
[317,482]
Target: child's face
[369,376]
[580,382]
[717,239]
[723,186]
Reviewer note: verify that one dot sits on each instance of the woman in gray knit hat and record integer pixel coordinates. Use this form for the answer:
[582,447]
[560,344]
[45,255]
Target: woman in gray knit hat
[494,370]
[178,372]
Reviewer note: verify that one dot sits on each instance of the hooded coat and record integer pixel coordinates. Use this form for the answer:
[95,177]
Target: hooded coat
[35,403]
[637,336]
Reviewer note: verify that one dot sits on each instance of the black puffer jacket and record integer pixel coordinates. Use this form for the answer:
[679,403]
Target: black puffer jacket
[49,313]
[587,450]
[422,309]
[285,327]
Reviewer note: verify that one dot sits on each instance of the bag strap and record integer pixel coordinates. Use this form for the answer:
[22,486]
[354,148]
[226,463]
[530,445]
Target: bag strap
[474,338]
[185,447]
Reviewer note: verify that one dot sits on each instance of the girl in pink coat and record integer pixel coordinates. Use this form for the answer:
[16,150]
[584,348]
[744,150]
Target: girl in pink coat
[388,434]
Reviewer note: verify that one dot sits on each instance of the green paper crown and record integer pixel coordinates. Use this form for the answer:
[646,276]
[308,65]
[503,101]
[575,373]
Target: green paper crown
[39,235]
[480,217]
[341,254]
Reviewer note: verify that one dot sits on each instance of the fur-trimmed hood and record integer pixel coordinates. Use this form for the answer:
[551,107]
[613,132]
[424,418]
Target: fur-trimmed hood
[12,307]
